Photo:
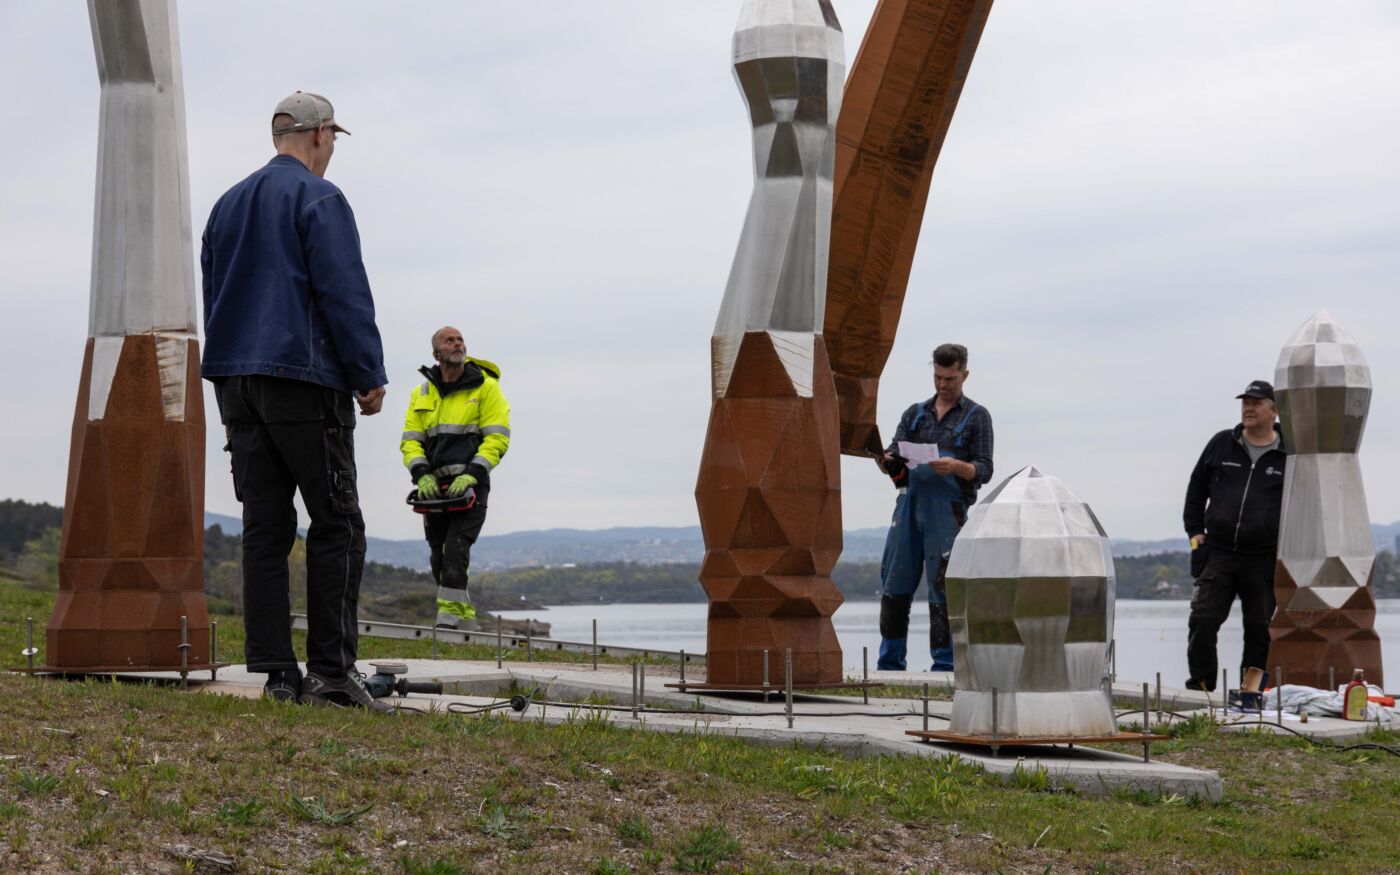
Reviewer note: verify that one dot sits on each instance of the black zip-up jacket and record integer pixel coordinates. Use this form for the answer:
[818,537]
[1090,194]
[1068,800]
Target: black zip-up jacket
[1233,502]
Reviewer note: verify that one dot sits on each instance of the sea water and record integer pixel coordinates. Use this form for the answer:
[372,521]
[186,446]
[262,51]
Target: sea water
[1151,635]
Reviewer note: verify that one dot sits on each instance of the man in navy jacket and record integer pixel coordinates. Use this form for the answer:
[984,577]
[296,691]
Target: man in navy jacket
[289,336]
[1233,502]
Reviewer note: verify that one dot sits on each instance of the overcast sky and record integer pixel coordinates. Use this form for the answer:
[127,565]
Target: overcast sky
[1136,205]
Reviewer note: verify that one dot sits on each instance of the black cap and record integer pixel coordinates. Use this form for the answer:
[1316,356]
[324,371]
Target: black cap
[1258,389]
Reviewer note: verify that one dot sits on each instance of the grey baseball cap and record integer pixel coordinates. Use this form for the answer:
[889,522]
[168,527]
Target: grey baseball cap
[308,111]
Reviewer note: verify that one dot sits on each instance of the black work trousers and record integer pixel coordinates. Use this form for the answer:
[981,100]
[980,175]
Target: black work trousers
[1228,574]
[287,436]
[450,539]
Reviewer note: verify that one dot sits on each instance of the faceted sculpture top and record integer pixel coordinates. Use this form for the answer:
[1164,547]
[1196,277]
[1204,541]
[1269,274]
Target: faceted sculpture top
[789,62]
[1031,526]
[142,273]
[1323,387]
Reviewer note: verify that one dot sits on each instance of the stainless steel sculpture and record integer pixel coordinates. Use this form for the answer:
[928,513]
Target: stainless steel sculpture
[131,560]
[769,485]
[1326,609]
[1030,602]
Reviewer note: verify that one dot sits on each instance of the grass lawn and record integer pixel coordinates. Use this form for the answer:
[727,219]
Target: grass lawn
[99,776]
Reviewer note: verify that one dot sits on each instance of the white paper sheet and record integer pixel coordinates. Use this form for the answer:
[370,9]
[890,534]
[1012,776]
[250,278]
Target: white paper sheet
[918,454]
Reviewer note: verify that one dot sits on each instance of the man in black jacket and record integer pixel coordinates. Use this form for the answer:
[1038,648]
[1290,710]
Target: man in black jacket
[1232,517]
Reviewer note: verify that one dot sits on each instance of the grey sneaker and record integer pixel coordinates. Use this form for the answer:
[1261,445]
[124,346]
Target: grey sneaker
[283,686]
[347,692]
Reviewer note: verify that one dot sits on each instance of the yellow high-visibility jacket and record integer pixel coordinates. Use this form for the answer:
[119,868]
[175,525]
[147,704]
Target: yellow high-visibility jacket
[462,429]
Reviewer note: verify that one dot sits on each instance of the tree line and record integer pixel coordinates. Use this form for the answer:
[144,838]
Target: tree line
[29,545]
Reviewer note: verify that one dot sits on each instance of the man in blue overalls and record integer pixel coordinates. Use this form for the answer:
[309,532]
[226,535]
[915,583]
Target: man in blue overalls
[932,506]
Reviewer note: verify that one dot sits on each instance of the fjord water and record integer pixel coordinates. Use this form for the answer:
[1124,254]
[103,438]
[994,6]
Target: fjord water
[1151,635]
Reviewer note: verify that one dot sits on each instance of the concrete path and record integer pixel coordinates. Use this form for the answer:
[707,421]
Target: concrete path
[1324,729]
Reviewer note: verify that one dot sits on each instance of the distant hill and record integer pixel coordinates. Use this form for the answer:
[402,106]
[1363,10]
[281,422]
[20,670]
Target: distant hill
[1128,547]
[659,545]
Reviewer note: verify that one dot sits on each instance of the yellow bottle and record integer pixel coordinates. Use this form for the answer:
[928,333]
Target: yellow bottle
[1354,697]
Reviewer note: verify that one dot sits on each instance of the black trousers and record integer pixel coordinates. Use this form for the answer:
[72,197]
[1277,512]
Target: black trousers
[1228,574]
[450,539]
[287,436]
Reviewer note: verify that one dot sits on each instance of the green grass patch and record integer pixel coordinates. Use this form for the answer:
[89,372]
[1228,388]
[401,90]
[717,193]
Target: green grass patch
[35,783]
[138,766]
[313,809]
[704,848]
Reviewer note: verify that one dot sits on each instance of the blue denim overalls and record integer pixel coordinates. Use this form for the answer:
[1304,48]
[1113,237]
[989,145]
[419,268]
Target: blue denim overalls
[927,516]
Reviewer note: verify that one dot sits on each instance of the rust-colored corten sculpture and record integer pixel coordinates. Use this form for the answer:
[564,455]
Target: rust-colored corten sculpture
[131,561]
[900,99]
[769,485]
[1326,617]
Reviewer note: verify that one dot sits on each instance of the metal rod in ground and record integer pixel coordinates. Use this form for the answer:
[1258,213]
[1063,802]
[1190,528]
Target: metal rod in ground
[1159,697]
[184,651]
[529,641]
[994,721]
[765,677]
[634,691]
[435,656]
[1278,692]
[865,675]
[682,671]
[1146,724]
[787,684]
[595,649]
[642,685]
[29,643]
[926,706]
[499,654]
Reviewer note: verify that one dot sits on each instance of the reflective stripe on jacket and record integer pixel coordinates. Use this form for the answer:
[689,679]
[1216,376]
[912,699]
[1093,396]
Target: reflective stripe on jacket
[463,428]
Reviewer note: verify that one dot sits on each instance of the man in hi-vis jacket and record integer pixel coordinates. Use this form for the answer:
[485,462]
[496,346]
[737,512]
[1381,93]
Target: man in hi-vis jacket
[455,432]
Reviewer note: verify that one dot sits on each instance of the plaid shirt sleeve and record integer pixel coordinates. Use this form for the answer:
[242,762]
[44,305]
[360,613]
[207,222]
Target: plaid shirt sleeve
[979,443]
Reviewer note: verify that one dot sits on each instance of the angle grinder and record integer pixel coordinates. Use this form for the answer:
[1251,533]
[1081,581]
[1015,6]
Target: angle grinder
[388,679]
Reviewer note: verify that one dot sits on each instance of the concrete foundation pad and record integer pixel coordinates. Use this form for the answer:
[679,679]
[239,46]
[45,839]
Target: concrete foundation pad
[840,723]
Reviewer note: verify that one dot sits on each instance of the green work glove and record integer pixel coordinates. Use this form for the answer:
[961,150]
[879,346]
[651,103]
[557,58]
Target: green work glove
[460,486]
[428,487]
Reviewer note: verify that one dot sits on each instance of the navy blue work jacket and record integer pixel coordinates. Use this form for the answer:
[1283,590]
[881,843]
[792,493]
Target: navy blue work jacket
[285,291]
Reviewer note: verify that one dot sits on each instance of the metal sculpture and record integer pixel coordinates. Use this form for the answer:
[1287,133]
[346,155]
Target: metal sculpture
[903,89]
[1030,603]
[1322,579]
[769,485]
[131,560]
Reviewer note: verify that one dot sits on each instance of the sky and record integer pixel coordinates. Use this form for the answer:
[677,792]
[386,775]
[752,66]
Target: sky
[1136,205]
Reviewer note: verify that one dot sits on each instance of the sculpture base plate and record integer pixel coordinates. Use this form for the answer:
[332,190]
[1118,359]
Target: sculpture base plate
[997,742]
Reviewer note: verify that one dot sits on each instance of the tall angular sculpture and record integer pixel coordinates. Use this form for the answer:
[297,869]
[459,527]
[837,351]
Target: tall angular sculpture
[769,485]
[904,87]
[131,561]
[1326,609]
[1030,603]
